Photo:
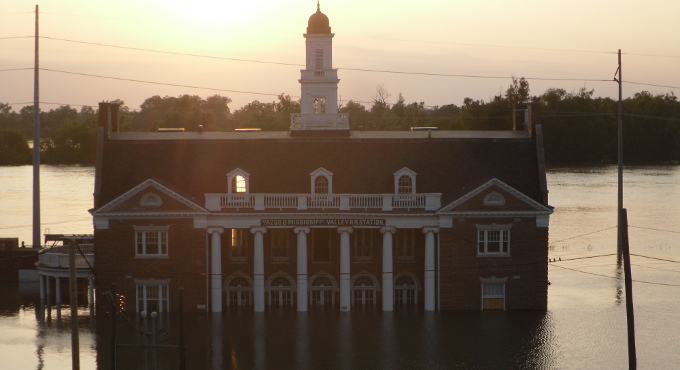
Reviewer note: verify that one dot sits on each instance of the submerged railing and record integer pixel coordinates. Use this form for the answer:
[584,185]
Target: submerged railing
[57,257]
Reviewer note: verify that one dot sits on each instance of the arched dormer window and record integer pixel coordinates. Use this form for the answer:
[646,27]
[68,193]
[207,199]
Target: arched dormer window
[321,185]
[404,181]
[321,181]
[238,181]
[405,185]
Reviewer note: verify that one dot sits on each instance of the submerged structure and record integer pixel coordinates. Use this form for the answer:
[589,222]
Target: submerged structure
[322,216]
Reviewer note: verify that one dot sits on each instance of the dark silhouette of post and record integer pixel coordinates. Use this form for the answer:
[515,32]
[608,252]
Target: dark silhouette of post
[73,296]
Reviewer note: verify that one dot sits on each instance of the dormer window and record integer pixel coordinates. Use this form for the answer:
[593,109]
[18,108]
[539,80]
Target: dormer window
[405,185]
[238,184]
[322,181]
[238,181]
[321,185]
[404,181]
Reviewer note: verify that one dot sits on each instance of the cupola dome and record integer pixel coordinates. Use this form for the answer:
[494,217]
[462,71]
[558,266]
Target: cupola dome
[318,22]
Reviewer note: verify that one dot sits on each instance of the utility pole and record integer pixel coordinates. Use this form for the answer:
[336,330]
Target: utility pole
[36,140]
[73,296]
[622,244]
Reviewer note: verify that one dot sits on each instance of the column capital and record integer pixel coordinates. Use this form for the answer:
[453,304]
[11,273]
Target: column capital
[388,229]
[430,229]
[344,229]
[298,230]
[215,229]
[258,229]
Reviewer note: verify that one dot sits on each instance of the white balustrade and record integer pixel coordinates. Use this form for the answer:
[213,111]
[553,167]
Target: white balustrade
[385,202]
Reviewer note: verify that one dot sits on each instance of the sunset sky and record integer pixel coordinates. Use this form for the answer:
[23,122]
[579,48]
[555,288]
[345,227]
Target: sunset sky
[253,50]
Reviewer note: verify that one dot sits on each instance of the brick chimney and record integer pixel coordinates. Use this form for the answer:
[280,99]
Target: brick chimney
[526,116]
[108,117]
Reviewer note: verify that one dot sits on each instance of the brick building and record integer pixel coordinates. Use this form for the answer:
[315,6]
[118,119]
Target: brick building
[321,215]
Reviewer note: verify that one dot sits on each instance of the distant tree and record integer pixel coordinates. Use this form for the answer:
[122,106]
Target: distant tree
[518,92]
[359,116]
[14,149]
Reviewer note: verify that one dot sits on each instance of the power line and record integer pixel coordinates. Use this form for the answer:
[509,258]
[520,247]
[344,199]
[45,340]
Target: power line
[158,83]
[581,235]
[616,278]
[654,85]
[343,68]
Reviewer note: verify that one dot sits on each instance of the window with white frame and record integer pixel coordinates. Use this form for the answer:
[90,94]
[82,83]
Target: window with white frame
[322,242]
[405,291]
[153,296]
[405,181]
[493,240]
[151,241]
[239,292]
[405,185]
[321,181]
[279,239]
[363,244]
[238,182]
[321,185]
[238,244]
[363,291]
[280,292]
[493,294]
[322,292]
[405,244]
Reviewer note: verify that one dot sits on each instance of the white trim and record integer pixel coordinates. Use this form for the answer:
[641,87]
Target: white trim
[405,172]
[539,208]
[106,210]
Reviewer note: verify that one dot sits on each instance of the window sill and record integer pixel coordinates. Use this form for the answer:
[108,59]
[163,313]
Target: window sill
[503,255]
[152,257]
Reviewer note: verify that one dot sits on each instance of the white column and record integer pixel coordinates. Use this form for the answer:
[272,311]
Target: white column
[216,269]
[387,269]
[345,288]
[302,278]
[429,267]
[258,268]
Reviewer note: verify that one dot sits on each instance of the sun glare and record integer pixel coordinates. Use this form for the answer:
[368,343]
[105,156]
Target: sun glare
[212,12]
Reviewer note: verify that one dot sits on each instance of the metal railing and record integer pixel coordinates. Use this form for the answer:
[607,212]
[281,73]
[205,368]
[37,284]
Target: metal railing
[57,257]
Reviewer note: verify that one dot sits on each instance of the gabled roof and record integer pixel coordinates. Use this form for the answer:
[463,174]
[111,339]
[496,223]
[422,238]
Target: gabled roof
[494,197]
[150,198]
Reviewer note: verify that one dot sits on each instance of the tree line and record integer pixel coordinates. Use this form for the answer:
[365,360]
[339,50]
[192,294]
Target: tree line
[578,128]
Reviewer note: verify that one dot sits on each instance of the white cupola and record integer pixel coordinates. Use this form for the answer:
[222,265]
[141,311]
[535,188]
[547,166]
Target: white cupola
[319,83]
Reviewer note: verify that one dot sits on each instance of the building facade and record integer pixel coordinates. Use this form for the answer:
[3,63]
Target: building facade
[321,216]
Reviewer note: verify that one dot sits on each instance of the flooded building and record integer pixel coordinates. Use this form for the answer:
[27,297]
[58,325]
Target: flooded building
[321,215]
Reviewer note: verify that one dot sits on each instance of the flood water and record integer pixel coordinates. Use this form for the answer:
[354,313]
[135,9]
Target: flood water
[584,327]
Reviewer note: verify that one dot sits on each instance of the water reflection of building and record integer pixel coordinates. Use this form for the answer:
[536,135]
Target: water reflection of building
[322,215]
